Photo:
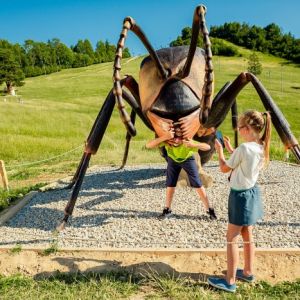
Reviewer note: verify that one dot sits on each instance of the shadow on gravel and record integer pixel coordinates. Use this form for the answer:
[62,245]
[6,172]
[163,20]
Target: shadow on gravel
[101,187]
[47,219]
[123,179]
[105,217]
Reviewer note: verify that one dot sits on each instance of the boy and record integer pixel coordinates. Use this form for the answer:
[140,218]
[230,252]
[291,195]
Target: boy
[180,155]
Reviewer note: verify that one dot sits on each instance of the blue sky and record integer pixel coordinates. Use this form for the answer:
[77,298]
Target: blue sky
[161,21]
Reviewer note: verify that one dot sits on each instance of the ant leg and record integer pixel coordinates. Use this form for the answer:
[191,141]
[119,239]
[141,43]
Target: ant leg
[225,99]
[128,139]
[92,145]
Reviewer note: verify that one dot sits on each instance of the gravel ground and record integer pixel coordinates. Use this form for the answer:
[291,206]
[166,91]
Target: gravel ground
[120,209]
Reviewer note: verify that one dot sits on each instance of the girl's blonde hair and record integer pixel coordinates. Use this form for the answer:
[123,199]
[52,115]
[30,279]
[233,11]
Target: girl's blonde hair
[258,121]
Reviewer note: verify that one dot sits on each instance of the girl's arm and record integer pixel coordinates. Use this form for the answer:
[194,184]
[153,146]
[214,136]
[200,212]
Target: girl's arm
[154,143]
[227,144]
[222,163]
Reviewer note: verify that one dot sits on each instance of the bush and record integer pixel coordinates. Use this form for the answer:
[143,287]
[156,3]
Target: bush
[218,47]
[81,60]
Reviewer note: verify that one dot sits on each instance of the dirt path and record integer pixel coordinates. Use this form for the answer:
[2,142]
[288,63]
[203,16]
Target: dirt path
[272,266]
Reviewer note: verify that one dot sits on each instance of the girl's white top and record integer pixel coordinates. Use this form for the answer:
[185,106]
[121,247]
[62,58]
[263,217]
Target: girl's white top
[246,162]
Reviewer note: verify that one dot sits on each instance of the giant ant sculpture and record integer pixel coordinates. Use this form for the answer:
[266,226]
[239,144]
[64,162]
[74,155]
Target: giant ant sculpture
[175,86]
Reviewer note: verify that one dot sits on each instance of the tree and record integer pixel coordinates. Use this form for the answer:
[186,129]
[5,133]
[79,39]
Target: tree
[254,65]
[126,53]
[100,52]
[110,51]
[10,70]
[81,60]
[84,48]
[40,58]
[64,56]
[186,33]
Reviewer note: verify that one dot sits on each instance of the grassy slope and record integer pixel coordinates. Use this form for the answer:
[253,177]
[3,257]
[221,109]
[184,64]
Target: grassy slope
[59,110]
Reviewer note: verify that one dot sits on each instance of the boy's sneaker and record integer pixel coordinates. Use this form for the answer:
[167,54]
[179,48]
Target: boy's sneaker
[167,212]
[221,283]
[240,275]
[212,214]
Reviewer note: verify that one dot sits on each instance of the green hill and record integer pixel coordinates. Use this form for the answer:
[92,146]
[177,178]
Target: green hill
[53,114]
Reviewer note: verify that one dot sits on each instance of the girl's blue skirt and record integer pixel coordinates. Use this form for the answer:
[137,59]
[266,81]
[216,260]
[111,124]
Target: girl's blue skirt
[245,206]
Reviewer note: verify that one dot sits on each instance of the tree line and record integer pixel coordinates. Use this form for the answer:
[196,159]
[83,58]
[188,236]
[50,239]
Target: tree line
[39,58]
[269,39]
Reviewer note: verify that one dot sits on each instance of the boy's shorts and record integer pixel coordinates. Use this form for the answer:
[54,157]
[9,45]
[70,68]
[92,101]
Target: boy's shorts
[189,166]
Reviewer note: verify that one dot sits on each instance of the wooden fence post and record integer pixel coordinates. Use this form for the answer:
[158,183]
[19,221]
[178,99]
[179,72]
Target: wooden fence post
[3,175]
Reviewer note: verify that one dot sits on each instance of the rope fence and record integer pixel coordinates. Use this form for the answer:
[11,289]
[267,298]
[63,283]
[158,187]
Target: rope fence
[44,160]
[9,169]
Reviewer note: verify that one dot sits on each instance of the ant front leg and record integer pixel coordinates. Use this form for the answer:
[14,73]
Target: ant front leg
[133,99]
[128,139]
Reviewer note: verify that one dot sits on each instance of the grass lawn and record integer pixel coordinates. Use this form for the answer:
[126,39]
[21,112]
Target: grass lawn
[124,285]
[53,114]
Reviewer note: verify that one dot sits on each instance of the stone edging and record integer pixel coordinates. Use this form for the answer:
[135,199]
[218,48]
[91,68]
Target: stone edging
[11,211]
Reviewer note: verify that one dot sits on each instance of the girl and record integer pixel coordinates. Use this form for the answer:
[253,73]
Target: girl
[244,204]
